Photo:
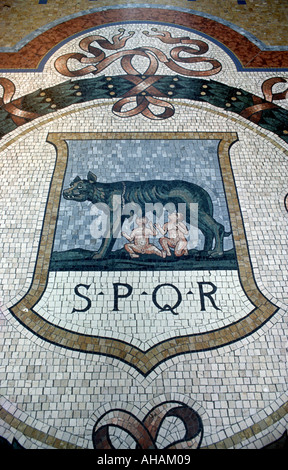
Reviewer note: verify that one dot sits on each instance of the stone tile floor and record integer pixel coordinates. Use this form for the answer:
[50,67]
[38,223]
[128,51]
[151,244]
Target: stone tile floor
[144,204]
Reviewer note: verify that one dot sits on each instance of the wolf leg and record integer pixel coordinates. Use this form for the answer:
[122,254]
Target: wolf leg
[218,231]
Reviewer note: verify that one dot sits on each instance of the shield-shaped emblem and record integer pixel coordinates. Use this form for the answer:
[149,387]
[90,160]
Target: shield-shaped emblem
[138,260]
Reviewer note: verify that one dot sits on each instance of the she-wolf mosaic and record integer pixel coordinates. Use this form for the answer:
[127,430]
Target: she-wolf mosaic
[141,142]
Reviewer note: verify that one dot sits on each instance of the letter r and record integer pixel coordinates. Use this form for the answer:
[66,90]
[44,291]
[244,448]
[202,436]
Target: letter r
[207,294]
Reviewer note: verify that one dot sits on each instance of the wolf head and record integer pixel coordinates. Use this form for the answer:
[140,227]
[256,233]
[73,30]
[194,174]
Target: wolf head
[81,189]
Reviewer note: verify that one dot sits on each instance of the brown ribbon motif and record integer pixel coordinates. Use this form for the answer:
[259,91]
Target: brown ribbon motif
[254,112]
[144,94]
[18,115]
[144,97]
[145,432]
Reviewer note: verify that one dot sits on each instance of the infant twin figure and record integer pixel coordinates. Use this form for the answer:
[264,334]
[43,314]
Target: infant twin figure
[139,239]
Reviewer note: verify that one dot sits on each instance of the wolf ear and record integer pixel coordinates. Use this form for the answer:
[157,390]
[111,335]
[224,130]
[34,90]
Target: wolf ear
[76,180]
[91,177]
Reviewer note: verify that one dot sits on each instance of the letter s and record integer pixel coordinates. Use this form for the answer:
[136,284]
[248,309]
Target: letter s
[76,290]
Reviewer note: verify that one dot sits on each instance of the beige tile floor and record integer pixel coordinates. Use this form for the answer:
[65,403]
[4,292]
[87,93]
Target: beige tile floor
[265,19]
[179,103]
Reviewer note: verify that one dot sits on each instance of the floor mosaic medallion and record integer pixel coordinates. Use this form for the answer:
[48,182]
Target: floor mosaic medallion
[144,235]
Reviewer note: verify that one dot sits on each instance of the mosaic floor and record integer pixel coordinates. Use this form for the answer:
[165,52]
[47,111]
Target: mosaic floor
[144,203]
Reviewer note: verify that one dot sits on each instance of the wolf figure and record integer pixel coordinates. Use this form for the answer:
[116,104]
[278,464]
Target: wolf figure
[153,192]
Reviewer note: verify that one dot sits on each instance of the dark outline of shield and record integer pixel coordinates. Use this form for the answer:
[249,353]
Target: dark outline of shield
[143,362]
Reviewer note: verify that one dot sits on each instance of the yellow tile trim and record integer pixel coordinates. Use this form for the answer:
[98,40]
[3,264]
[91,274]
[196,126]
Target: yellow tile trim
[229,442]
[253,430]
[33,433]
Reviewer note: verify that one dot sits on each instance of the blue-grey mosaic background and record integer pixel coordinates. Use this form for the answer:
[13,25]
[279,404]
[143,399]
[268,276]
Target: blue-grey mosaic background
[123,160]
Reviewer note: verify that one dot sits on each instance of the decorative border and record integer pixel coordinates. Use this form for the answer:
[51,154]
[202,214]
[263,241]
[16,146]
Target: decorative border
[251,37]
[52,440]
[143,362]
[246,55]
[143,90]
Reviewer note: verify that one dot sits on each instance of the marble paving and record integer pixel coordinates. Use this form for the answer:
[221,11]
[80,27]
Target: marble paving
[144,211]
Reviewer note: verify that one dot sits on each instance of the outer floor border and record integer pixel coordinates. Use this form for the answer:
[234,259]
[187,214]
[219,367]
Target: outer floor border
[246,53]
